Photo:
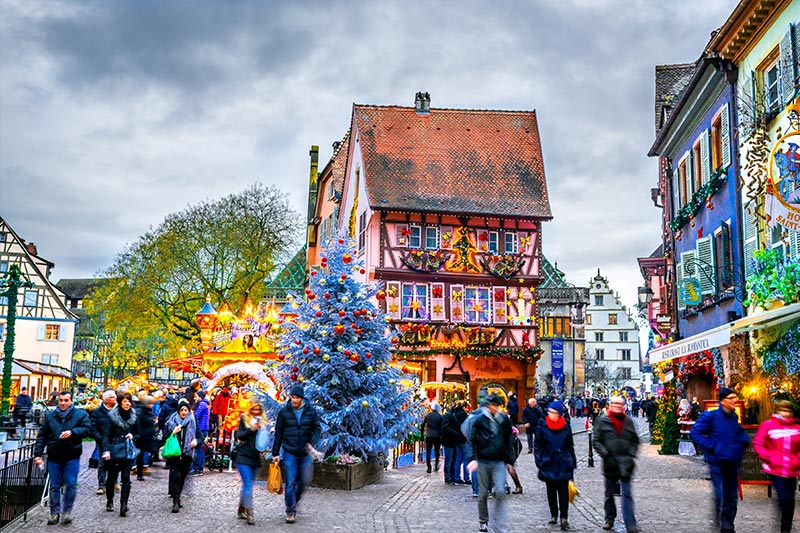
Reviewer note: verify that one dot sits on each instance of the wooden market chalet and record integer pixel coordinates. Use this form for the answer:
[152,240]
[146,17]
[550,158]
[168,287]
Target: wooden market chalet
[446,207]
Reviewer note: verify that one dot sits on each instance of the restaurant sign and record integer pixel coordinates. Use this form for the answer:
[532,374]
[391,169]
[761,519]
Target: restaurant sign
[712,338]
[782,201]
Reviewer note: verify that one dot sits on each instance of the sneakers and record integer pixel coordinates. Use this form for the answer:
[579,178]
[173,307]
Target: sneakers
[66,518]
[608,525]
[53,519]
[474,494]
[196,473]
[518,490]
[564,524]
[483,526]
[553,520]
[290,518]
[100,490]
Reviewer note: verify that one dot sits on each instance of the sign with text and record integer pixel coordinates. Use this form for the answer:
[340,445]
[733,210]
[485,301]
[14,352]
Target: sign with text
[712,338]
[558,362]
[664,324]
[782,204]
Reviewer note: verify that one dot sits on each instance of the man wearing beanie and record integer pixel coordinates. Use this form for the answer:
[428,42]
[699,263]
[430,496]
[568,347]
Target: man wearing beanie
[723,439]
[297,430]
[617,441]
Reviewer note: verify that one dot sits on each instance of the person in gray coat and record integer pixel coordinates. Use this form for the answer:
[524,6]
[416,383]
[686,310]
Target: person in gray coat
[432,430]
[616,440]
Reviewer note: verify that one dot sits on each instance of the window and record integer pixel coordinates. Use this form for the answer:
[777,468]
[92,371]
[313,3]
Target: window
[623,336]
[625,372]
[2,332]
[2,236]
[600,353]
[683,185]
[493,242]
[510,242]
[477,304]
[431,238]
[3,300]
[598,300]
[612,319]
[555,326]
[722,256]
[589,319]
[3,267]
[50,359]
[415,237]
[716,142]
[415,301]
[697,165]
[598,336]
[51,332]
[31,298]
[330,190]
[771,92]
[362,231]
[625,354]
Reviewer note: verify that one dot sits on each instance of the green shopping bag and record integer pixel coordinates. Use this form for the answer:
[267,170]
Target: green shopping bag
[172,448]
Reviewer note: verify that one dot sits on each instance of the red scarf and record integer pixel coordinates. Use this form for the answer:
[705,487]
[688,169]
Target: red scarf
[555,426]
[618,420]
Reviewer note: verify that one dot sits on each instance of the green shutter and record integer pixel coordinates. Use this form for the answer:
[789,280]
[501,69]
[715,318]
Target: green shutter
[706,265]
[726,277]
[750,230]
[787,66]
[705,161]
[725,136]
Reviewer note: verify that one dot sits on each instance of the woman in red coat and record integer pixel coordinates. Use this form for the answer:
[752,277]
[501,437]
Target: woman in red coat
[777,443]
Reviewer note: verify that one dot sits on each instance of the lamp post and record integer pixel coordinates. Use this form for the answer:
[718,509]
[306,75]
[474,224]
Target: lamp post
[645,295]
[206,319]
[12,282]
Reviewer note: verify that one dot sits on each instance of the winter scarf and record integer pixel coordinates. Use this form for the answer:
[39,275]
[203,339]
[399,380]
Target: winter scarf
[617,420]
[558,424]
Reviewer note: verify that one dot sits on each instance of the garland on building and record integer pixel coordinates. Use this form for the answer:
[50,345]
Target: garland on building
[423,261]
[665,429]
[701,198]
[530,355]
[504,266]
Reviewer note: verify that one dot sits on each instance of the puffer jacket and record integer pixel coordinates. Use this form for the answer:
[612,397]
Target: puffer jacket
[618,451]
[720,436]
[554,452]
[483,444]
[777,443]
[55,422]
[293,435]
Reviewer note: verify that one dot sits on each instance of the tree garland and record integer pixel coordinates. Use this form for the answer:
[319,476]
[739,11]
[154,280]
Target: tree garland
[701,198]
[783,354]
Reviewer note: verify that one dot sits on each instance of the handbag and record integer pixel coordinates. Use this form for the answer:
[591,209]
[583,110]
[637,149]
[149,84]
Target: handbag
[572,490]
[274,479]
[262,436]
[172,448]
[131,450]
[119,451]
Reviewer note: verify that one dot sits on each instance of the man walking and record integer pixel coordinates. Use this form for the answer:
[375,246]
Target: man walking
[650,408]
[431,429]
[722,439]
[98,421]
[297,430]
[23,406]
[202,415]
[531,418]
[489,450]
[616,440]
[453,442]
[62,433]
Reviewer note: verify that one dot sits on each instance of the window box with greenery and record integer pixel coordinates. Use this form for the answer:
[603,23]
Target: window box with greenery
[774,279]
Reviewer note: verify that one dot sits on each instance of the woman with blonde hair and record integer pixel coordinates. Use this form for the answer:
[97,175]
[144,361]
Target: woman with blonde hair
[247,457]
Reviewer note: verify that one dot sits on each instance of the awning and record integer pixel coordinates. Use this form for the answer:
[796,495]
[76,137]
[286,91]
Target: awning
[721,335]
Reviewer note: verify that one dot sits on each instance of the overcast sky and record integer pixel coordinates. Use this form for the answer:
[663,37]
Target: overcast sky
[115,113]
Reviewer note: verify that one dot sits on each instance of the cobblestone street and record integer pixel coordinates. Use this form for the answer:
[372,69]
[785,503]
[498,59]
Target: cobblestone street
[671,494]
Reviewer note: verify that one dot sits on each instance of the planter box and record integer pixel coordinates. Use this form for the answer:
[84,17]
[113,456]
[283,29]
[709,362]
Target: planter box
[347,477]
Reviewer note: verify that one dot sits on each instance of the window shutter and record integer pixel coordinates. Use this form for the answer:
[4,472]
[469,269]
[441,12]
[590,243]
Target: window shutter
[705,162]
[437,302]
[522,248]
[750,241]
[794,243]
[457,303]
[726,276]
[676,194]
[796,47]
[725,136]
[62,332]
[399,238]
[747,107]
[705,258]
[499,305]
[787,66]
[483,240]
[689,176]
[447,244]
[393,298]
[40,332]
[678,283]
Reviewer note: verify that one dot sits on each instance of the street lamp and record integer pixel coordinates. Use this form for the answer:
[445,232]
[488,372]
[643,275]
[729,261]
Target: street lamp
[645,295]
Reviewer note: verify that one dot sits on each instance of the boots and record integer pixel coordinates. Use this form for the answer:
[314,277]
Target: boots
[123,499]
[250,518]
[240,512]
[110,501]
[176,504]
[436,466]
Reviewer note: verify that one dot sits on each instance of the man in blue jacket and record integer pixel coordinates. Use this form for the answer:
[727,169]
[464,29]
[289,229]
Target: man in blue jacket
[723,440]
[202,414]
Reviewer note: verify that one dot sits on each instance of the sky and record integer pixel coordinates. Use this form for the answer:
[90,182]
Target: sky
[115,114]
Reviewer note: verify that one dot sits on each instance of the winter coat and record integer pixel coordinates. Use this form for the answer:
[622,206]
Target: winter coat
[145,428]
[201,414]
[116,428]
[55,422]
[432,425]
[98,420]
[720,436]
[168,408]
[513,410]
[650,408]
[533,417]
[23,404]
[294,435]
[486,444]
[451,428]
[554,453]
[618,451]
[187,433]
[246,451]
[221,404]
[777,443]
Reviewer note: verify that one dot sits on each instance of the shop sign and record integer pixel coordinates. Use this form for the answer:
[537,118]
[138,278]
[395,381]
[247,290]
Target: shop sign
[782,201]
[557,351]
[664,324]
[690,291]
[697,343]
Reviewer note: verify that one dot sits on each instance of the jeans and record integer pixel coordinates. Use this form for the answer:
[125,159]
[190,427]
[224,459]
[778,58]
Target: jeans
[474,479]
[101,467]
[558,498]
[435,443]
[725,479]
[449,463]
[248,474]
[199,463]
[63,475]
[492,473]
[785,488]
[627,502]
[298,474]
[461,473]
[530,441]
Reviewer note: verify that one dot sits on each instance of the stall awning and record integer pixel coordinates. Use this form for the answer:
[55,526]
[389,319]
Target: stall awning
[721,335]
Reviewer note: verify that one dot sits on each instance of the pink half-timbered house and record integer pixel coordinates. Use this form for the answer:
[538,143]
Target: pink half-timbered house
[446,207]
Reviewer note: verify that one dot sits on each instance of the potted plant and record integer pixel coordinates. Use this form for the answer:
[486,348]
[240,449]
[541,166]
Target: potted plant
[775,280]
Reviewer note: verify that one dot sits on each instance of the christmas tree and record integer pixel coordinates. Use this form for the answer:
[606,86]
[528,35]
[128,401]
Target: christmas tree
[666,423]
[339,350]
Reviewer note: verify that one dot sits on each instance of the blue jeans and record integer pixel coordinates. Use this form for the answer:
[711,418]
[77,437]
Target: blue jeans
[449,463]
[298,471]
[475,486]
[200,452]
[461,463]
[785,488]
[248,474]
[725,479]
[492,474]
[627,502]
[63,475]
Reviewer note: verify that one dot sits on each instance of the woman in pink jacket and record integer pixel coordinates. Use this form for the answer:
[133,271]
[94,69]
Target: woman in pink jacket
[777,443]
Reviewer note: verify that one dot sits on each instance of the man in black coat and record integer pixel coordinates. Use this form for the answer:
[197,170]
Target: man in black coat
[431,430]
[616,440]
[98,420]
[23,406]
[297,430]
[62,433]
[531,418]
[454,443]
[513,409]
[650,408]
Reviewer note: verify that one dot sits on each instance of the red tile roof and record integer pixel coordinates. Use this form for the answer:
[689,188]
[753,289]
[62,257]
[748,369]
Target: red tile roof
[338,162]
[453,160]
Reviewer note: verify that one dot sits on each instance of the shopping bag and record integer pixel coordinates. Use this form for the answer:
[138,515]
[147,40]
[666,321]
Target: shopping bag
[262,435]
[274,480]
[172,448]
[573,491]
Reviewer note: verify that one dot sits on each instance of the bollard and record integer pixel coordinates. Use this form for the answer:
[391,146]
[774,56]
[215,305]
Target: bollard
[590,461]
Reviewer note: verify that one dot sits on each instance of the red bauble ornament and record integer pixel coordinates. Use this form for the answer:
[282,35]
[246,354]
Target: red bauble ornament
[341,241]
[313,272]
[318,314]
[316,351]
[342,312]
[327,295]
[294,377]
[358,331]
[354,358]
[281,357]
[346,258]
[362,271]
[353,325]
[297,342]
[311,295]
[363,311]
[356,313]
[395,340]
[324,259]
[344,276]
[338,329]
[368,355]
[295,369]
[305,352]
[380,295]
[346,352]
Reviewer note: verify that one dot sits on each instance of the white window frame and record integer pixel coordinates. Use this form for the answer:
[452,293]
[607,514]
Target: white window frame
[47,359]
[772,105]
[423,296]
[470,315]
[494,242]
[25,298]
[52,332]
[431,232]
[598,336]
[510,238]
[625,354]
[621,334]
[362,232]
[415,233]
[600,354]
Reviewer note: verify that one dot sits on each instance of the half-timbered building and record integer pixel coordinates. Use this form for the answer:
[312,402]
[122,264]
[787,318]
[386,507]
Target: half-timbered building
[446,207]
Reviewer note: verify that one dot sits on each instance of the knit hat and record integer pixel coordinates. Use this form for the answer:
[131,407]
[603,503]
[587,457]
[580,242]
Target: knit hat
[724,392]
[182,402]
[297,390]
[557,406]
[201,394]
[495,399]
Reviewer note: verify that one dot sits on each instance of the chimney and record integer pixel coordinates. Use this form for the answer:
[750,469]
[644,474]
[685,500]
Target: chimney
[32,249]
[422,103]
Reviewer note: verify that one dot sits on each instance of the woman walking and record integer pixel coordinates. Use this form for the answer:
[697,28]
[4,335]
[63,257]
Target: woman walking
[248,458]
[777,443]
[121,427]
[554,453]
[184,427]
[146,425]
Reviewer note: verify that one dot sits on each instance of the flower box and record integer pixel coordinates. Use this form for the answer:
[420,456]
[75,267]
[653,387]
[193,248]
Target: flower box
[347,477]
